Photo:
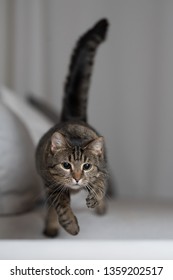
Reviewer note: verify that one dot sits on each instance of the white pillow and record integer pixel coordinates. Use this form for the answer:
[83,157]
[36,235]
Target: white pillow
[36,123]
[20,187]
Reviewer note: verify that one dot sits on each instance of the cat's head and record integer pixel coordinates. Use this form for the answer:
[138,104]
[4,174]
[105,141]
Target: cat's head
[76,166]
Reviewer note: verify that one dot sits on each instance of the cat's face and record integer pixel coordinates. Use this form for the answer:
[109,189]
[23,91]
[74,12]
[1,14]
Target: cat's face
[75,167]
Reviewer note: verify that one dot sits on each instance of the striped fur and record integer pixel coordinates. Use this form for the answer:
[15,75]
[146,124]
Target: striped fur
[80,70]
[71,155]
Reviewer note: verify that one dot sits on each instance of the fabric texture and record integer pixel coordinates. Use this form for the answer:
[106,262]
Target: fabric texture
[20,186]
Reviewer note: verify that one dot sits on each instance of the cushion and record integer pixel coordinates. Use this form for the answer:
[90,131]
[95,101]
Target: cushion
[20,186]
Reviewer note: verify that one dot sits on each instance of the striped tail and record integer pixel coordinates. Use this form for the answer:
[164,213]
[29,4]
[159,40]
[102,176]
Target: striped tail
[80,70]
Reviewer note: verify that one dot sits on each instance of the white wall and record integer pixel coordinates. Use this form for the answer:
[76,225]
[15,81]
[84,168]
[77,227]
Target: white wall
[4,42]
[131,97]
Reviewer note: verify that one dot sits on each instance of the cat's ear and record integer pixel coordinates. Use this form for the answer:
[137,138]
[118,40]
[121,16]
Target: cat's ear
[96,146]
[58,142]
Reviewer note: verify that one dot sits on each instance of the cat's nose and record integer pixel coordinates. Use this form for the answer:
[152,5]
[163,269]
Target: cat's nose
[77,180]
[77,176]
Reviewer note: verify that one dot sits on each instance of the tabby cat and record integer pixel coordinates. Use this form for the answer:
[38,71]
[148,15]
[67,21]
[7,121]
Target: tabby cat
[71,155]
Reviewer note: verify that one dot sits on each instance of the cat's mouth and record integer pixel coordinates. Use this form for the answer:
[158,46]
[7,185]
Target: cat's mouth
[75,186]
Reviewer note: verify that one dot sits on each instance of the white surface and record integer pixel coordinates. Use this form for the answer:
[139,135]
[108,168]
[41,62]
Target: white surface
[130,230]
[91,250]
[124,220]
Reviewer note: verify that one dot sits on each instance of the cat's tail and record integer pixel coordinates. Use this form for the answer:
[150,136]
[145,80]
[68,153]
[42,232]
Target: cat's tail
[80,70]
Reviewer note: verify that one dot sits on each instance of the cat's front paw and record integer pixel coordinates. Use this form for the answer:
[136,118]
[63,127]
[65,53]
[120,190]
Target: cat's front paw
[91,201]
[73,228]
[71,225]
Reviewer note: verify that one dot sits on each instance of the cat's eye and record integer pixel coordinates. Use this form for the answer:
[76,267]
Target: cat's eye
[66,165]
[87,166]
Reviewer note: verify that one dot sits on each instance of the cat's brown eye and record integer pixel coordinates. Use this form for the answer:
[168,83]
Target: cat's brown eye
[66,165]
[87,166]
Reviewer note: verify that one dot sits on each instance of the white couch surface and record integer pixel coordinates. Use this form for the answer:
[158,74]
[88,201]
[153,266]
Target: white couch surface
[131,229]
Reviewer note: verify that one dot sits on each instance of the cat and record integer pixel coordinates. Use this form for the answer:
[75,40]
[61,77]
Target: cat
[71,156]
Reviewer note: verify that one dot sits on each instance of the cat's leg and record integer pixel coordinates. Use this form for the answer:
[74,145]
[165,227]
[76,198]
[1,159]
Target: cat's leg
[51,225]
[102,207]
[65,215]
[96,197]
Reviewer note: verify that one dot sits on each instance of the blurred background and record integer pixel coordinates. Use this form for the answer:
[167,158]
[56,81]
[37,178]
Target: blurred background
[131,96]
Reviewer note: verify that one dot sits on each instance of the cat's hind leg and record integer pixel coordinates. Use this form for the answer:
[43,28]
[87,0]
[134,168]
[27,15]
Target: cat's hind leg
[51,223]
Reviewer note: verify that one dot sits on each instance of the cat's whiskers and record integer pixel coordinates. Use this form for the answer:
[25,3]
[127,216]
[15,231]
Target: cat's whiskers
[99,194]
[51,186]
[91,190]
[48,199]
[60,191]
